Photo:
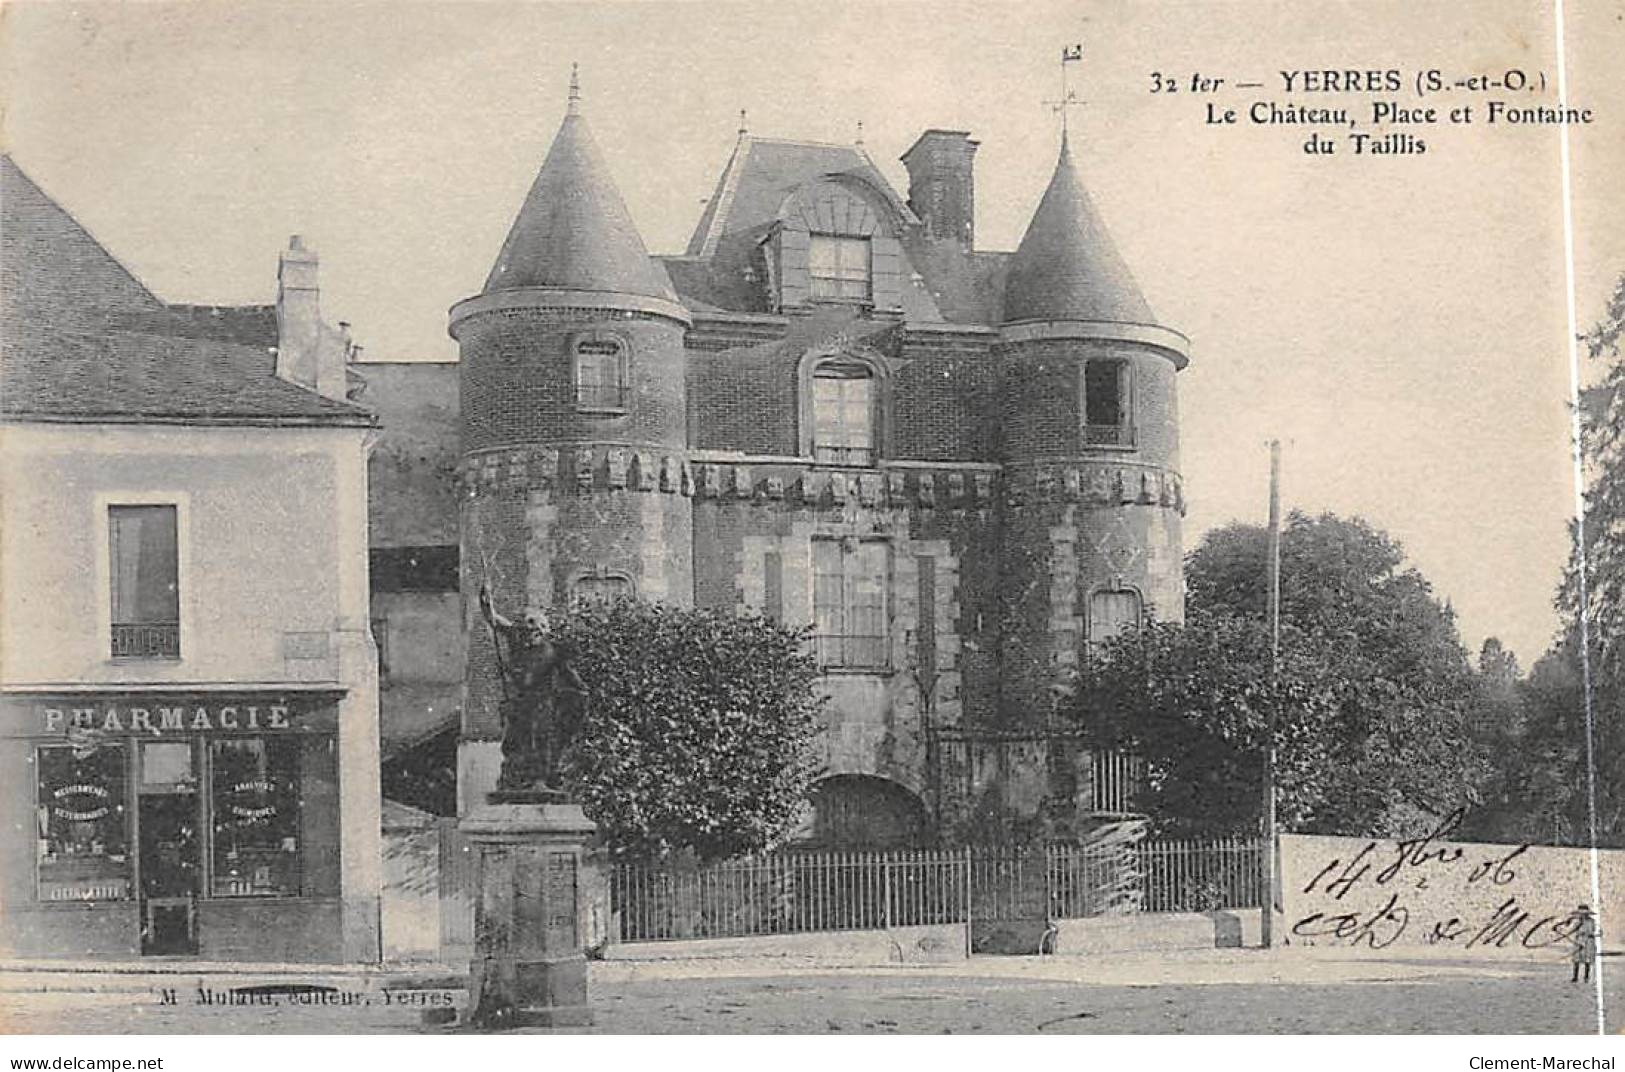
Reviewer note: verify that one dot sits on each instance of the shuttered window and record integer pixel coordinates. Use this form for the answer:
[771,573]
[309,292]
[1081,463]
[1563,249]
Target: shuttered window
[849,603]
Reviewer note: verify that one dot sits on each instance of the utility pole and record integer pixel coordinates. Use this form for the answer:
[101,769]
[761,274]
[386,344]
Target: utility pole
[1271,869]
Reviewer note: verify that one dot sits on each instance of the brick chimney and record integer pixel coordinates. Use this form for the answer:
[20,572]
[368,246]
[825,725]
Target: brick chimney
[309,352]
[942,186]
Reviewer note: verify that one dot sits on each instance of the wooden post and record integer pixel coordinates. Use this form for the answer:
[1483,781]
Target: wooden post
[1270,834]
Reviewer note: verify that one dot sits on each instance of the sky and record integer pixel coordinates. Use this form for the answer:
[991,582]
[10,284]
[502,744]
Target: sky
[1398,321]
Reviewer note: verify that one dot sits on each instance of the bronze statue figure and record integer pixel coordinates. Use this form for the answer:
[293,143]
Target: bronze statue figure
[541,700]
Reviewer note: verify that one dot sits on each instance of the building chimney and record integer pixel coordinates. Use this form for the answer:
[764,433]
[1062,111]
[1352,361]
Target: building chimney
[309,353]
[941,185]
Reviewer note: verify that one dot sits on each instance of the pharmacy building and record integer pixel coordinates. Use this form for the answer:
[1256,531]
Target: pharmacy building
[189,746]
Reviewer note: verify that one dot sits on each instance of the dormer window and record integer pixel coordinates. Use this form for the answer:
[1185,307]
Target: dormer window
[839,268]
[1108,403]
[602,383]
[844,399]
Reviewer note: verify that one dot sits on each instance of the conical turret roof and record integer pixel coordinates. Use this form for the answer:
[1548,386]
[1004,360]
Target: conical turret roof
[573,231]
[1067,267]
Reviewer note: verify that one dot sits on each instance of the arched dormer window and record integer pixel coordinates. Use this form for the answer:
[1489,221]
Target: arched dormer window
[836,242]
[843,407]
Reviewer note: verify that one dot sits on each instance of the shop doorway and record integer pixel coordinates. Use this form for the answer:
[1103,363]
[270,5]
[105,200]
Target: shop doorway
[169,862]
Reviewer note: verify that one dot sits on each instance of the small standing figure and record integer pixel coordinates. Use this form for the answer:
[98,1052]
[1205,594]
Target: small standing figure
[1585,943]
[541,697]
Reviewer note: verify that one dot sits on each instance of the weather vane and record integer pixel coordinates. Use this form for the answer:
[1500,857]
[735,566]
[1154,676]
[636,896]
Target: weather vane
[1069,97]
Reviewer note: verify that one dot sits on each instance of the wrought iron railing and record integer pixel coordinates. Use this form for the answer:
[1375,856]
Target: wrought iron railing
[602,395]
[1115,872]
[147,640]
[833,455]
[791,892]
[851,652]
[1108,435]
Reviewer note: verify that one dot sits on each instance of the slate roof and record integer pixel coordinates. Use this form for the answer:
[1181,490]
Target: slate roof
[573,230]
[84,340]
[130,376]
[1067,267]
[762,172]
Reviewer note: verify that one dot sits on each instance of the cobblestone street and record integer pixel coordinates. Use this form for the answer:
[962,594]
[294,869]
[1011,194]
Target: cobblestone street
[982,996]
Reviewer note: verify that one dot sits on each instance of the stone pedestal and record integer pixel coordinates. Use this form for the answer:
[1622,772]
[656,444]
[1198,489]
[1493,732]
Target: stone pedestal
[529,968]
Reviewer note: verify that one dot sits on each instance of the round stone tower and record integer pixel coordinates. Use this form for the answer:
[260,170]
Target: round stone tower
[1093,496]
[573,474]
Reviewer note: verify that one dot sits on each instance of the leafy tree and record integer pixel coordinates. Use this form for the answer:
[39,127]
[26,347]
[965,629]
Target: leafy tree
[1600,551]
[698,731]
[1549,791]
[1375,700]
[1194,702]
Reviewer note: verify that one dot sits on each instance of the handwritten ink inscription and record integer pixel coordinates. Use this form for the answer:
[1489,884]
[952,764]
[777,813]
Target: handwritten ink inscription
[1433,890]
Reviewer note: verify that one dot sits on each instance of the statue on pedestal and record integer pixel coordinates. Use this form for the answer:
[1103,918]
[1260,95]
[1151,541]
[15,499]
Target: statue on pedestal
[542,698]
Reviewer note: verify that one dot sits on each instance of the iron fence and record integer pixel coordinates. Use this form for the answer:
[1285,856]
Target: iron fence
[1115,781]
[790,893]
[1202,876]
[1115,872]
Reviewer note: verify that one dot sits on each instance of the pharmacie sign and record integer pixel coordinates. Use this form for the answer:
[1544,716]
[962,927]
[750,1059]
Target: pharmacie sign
[137,716]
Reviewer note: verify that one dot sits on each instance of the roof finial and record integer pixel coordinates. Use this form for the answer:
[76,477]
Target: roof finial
[574,107]
[860,132]
[743,128]
[1069,98]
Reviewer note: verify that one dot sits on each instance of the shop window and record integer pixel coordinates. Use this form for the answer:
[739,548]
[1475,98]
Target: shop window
[1113,612]
[1107,403]
[83,824]
[844,410]
[601,374]
[602,588]
[838,267]
[254,799]
[849,603]
[145,581]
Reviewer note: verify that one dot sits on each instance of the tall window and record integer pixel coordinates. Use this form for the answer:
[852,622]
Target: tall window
[839,267]
[254,787]
[146,582]
[1107,404]
[601,377]
[843,413]
[849,603]
[1113,612]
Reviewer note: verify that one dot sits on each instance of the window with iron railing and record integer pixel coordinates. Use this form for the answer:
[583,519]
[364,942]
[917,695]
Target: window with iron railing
[849,604]
[1108,404]
[145,578]
[843,411]
[601,375]
[599,588]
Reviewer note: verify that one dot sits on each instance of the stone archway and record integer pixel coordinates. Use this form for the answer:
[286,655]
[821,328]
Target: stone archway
[861,811]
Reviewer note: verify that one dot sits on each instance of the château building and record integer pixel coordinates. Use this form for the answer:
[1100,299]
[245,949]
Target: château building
[960,467]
